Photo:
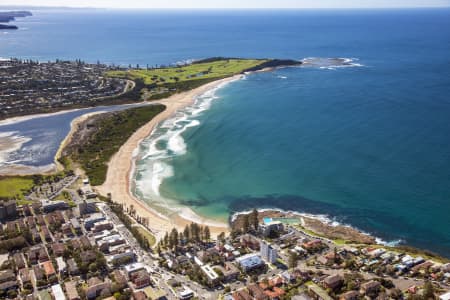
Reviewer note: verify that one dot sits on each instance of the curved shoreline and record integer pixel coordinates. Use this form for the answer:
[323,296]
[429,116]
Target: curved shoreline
[121,166]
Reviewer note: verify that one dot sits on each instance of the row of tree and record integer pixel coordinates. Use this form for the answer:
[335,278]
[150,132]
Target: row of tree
[191,233]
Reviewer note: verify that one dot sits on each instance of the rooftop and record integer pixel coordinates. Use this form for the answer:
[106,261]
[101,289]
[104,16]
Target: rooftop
[212,275]
[250,260]
[58,292]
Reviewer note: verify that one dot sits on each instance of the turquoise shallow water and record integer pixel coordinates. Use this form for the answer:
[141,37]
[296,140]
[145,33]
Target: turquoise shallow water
[368,146]
[318,149]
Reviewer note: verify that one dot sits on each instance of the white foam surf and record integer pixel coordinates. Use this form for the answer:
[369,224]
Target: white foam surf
[327,63]
[153,164]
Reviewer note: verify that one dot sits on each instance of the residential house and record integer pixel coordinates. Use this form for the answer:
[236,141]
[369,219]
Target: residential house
[25,276]
[140,278]
[257,292]
[38,273]
[49,269]
[72,267]
[120,279]
[19,261]
[58,249]
[242,295]
[350,295]
[370,287]
[7,275]
[249,241]
[57,292]
[230,272]
[333,282]
[95,287]
[62,266]
[71,290]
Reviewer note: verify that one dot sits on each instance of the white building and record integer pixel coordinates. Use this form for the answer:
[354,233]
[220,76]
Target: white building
[132,268]
[445,296]
[268,253]
[186,293]
[57,292]
[62,266]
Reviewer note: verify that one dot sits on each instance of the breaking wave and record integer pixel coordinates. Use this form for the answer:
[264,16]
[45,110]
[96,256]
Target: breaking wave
[165,142]
[330,63]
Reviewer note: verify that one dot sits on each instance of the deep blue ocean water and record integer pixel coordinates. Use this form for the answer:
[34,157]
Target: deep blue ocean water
[366,145]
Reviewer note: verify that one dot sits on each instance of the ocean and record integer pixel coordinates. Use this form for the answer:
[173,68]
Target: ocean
[366,144]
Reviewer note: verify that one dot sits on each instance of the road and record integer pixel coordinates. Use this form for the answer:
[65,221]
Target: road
[159,275]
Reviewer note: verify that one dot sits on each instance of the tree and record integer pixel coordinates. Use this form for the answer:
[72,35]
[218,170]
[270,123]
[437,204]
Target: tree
[254,219]
[293,260]
[166,240]
[428,290]
[396,294]
[93,267]
[195,232]
[173,239]
[207,233]
[221,237]
[186,232]
[245,224]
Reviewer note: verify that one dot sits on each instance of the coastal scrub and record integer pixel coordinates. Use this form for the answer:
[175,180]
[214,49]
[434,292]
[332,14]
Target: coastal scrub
[101,136]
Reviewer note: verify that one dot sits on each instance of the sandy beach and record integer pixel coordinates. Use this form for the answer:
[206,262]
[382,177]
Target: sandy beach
[121,166]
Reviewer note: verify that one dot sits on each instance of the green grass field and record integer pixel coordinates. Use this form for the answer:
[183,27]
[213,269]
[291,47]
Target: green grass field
[212,69]
[14,187]
[158,83]
[145,233]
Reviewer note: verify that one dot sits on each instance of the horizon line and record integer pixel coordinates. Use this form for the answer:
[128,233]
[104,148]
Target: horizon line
[221,8]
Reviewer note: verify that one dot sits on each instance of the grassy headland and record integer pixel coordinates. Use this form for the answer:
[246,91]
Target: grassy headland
[192,72]
[158,83]
[100,137]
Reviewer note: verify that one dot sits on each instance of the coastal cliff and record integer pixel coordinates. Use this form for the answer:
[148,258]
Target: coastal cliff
[2,26]
[9,16]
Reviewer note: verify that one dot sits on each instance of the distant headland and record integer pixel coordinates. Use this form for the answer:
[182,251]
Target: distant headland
[97,84]
[9,16]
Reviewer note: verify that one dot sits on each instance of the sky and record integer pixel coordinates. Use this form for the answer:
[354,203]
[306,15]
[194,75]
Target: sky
[158,4]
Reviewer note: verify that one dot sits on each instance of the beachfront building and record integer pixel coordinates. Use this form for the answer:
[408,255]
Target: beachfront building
[268,252]
[270,227]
